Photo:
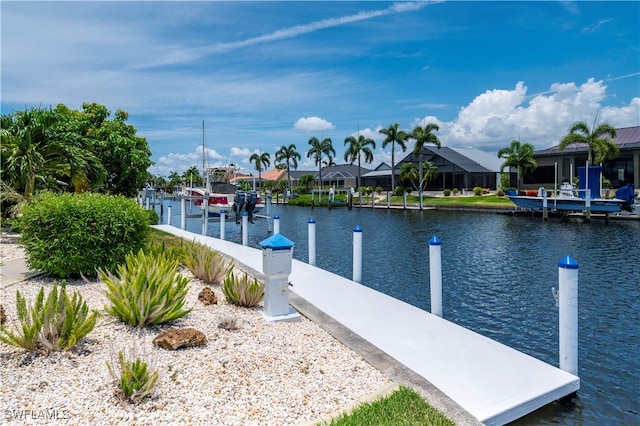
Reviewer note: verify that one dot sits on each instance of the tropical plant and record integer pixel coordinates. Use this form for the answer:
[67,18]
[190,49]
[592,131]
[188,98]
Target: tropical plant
[477,190]
[409,174]
[520,156]
[193,177]
[57,323]
[260,160]
[40,151]
[135,379]
[306,180]
[242,290]
[600,141]
[317,151]
[146,290]
[205,263]
[393,137]
[422,135]
[290,156]
[69,235]
[430,171]
[357,148]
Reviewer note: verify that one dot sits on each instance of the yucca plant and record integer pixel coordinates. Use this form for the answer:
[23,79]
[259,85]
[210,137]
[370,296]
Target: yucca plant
[205,263]
[242,290]
[134,378]
[172,251]
[52,324]
[146,290]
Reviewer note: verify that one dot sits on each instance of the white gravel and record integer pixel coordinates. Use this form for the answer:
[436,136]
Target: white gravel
[261,374]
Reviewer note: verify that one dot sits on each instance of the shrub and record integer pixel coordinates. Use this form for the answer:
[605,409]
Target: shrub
[52,324]
[398,191]
[447,192]
[242,291]
[455,191]
[477,190]
[153,217]
[500,193]
[147,290]
[206,264]
[74,234]
[378,190]
[134,378]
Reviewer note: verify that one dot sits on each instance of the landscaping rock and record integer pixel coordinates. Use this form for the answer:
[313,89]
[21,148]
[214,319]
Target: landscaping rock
[175,338]
[207,296]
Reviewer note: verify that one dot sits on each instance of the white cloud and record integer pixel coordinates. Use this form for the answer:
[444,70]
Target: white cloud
[313,124]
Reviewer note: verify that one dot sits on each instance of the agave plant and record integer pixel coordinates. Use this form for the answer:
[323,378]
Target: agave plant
[134,377]
[242,290]
[146,290]
[59,322]
[206,264]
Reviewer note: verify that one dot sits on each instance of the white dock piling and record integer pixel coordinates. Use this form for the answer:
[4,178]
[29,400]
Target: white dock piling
[245,228]
[568,304]
[435,273]
[357,254]
[276,224]
[169,215]
[183,213]
[388,199]
[205,213]
[312,241]
[223,218]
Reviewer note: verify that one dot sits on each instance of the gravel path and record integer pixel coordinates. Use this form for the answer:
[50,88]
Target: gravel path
[260,374]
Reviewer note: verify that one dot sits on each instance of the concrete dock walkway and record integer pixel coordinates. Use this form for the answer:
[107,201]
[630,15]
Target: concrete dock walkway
[494,383]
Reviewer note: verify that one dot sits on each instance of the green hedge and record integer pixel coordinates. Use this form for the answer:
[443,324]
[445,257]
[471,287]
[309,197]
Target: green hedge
[68,235]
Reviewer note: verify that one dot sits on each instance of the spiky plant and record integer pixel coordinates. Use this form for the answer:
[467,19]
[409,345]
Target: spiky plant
[146,290]
[57,323]
[205,263]
[134,377]
[242,290]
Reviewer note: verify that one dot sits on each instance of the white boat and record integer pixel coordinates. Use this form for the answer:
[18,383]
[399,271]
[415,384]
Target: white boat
[220,194]
[570,199]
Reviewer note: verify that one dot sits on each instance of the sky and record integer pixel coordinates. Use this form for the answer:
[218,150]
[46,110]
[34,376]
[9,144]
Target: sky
[265,74]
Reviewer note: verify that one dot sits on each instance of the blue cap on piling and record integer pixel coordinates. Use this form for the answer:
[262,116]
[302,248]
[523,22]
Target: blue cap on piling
[276,217]
[312,220]
[222,211]
[357,228]
[435,241]
[277,242]
[245,214]
[568,262]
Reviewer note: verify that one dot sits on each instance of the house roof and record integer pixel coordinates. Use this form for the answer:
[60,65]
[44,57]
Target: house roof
[274,174]
[626,138]
[333,172]
[471,160]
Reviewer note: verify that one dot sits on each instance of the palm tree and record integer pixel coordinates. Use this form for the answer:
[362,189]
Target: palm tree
[430,171]
[408,173]
[520,156]
[423,134]
[599,140]
[260,160]
[192,176]
[39,150]
[289,155]
[317,151]
[394,136]
[355,150]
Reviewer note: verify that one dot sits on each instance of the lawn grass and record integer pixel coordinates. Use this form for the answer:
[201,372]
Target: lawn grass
[462,201]
[404,407]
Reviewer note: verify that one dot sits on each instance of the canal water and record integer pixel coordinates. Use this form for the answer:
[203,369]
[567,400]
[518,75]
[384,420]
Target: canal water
[498,274]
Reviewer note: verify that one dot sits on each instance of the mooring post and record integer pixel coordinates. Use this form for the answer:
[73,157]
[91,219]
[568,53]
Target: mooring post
[568,304]
[388,199]
[311,232]
[148,203]
[545,211]
[435,273]
[169,215]
[205,213]
[245,228]
[404,199]
[223,220]
[373,200]
[276,224]
[357,254]
[183,213]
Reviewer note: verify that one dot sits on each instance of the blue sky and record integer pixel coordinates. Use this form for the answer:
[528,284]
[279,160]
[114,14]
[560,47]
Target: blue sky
[266,74]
